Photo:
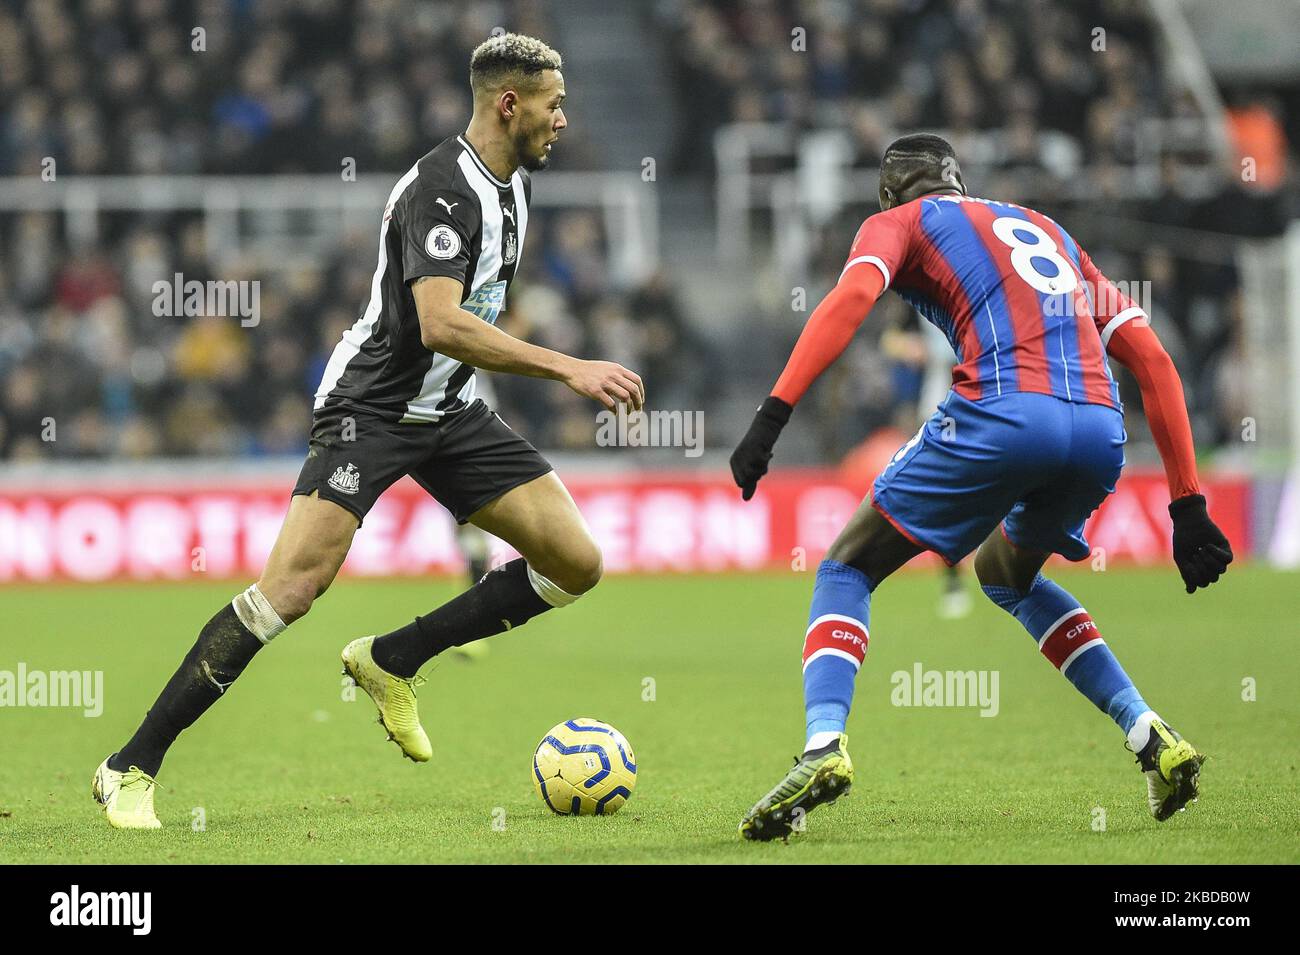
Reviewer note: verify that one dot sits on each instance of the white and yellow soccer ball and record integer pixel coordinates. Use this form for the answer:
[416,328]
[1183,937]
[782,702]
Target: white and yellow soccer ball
[584,767]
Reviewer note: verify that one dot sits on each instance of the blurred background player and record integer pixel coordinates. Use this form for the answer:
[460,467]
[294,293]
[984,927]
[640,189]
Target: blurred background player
[924,352]
[955,601]
[908,354]
[1029,441]
[475,546]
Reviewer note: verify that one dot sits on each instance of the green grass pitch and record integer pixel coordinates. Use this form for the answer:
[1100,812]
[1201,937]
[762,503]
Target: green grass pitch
[286,770]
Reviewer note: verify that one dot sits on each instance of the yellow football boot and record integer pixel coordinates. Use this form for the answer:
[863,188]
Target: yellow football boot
[127,797]
[1173,769]
[819,777]
[393,695]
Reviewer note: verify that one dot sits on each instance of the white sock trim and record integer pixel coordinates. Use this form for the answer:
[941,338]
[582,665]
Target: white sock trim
[832,652]
[835,616]
[1059,620]
[818,740]
[1141,731]
[256,613]
[548,591]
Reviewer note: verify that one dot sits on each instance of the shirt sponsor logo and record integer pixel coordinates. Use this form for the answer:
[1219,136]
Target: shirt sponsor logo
[487,301]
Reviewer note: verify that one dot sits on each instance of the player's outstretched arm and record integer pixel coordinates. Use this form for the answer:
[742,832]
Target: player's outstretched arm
[829,330]
[449,330]
[1201,551]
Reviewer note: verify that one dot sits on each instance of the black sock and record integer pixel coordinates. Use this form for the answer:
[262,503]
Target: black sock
[214,662]
[504,598]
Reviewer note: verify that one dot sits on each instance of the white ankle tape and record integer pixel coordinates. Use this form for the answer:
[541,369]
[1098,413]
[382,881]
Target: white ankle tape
[256,613]
[1141,731]
[552,594]
[818,740]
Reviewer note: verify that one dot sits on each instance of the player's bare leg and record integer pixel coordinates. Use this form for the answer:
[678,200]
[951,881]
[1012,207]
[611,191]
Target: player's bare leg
[512,513]
[560,561]
[871,545]
[540,520]
[866,551]
[1066,635]
[308,552]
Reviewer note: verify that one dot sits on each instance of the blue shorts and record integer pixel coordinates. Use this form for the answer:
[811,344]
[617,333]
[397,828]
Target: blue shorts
[1037,464]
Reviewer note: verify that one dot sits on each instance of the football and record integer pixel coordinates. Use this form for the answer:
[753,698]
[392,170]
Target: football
[583,767]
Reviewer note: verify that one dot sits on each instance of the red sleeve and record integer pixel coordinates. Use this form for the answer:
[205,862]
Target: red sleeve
[829,330]
[878,253]
[883,241]
[1111,308]
[1126,334]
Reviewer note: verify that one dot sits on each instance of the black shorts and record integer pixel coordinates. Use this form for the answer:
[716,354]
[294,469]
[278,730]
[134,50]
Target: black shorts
[465,460]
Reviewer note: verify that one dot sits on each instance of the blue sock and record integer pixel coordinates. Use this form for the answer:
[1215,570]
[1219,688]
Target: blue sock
[834,645]
[1069,639]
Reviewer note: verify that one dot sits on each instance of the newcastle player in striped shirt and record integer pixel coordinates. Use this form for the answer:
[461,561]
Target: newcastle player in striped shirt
[398,398]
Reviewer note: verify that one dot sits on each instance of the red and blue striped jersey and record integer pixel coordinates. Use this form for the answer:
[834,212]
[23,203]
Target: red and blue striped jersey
[1021,304]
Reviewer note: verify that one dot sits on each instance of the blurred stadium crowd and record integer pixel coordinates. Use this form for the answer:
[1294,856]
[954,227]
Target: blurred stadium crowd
[112,87]
[1060,110]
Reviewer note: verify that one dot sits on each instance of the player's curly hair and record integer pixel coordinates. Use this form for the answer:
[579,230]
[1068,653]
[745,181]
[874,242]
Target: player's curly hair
[511,56]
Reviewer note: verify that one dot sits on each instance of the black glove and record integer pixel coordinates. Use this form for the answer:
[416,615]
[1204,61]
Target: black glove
[1201,551]
[749,460]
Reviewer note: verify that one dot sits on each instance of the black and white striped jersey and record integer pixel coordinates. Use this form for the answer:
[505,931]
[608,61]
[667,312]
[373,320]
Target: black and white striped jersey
[449,215]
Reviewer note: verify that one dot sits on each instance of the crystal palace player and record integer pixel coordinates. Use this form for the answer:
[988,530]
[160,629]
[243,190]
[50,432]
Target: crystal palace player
[1029,441]
[398,398]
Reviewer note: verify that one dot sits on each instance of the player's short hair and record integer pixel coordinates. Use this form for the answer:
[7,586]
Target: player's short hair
[511,57]
[919,159]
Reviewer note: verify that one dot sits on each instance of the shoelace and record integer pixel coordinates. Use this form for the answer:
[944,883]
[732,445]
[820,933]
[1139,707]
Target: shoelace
[135,774]
[413,682]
